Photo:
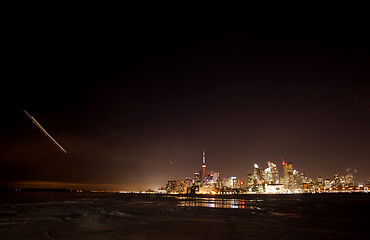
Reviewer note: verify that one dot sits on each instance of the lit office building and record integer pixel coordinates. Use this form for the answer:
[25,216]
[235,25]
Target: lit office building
[271,175]
[342,181]
[336,180]
[320,183]
[349,179]
[297,182]
[281,180]
[257,175]
[213,179]
[367,183]
[250,181]
[274,172]
[319,180]
[304,179]
[236,182]
[178,186]
[274,188]
[288,175]
[175,186]
[230,182]
[267,176]
[196,177]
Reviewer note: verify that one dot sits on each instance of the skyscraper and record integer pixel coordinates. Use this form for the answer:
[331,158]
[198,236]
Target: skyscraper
[296,180]
[271,174]
[268,176]
[213,177]
[288,174]
[349,179]
[250,181]
[196,177]
[257,175]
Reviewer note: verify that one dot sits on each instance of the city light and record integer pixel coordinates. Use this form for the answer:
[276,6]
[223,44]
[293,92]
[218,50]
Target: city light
[263,181]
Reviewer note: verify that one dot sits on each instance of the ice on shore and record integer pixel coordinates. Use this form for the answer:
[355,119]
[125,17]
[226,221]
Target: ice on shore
[55,215]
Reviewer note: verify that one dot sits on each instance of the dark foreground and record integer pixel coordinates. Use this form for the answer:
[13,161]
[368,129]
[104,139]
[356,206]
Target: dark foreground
[64,215]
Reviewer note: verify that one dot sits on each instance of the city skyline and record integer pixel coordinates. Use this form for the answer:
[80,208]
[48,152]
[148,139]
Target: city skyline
[280,167]
[247,89]
[262,180]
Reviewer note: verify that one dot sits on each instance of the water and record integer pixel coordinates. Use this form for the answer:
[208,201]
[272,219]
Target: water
[64,215]
[211,202]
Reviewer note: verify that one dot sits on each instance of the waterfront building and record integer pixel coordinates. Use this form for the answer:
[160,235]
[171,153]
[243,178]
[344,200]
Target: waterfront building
[250,182]
[257,175]
[296,182]
[274,172]
[267,176]
[196,177]
[162,190]
[319,181]
[230,182]
[178,186]
[342,181]
[335,180]
[274,188]
[367,183]
[281,180]
[326,183]
[349,179]
[288,175]
[213,179]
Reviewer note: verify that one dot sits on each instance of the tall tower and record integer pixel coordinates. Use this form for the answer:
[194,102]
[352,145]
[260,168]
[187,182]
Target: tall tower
[204,165]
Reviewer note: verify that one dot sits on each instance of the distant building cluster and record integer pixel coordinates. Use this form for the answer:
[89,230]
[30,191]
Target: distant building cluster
[262,180]
[292,181]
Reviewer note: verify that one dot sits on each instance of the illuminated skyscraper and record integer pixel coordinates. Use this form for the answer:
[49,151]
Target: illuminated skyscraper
[257,175]
[349,179]
[178,186]
[230,182]
[319,181]
[271,174]
[250,181]
[267,175]
[197,177]
[336,180]
[213,177]
[288,174]
[296,180]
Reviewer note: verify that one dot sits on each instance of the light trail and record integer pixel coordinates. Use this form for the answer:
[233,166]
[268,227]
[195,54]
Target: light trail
[43,130]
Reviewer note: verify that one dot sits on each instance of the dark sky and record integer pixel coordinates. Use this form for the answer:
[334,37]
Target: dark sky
[247,86]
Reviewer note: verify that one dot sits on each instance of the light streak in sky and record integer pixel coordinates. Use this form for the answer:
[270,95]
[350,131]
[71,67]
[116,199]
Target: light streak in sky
[43,130]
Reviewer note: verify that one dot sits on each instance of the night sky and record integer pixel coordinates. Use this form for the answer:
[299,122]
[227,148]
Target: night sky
[246,87]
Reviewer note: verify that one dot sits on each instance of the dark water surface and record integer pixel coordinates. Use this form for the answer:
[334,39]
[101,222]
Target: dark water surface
[65,215]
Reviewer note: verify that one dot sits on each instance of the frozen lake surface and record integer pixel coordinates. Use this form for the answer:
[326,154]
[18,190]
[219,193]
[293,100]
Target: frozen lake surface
[66,215]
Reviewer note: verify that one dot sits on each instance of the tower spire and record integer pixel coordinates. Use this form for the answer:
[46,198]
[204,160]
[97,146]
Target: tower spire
[204,164]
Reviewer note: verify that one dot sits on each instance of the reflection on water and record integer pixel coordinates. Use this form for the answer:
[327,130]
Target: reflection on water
[217,202]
